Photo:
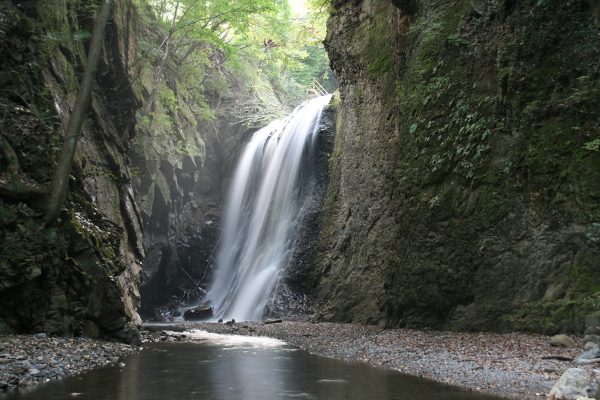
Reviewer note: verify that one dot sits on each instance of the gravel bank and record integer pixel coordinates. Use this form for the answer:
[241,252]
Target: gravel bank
[27,360]
[509,365]
[505,364]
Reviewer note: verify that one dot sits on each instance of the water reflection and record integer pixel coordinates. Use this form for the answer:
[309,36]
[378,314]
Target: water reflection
[227,368]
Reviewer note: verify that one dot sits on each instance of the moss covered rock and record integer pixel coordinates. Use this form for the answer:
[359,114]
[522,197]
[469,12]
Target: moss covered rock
[466,170]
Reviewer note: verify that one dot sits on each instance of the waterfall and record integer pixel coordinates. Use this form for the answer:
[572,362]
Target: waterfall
[272,187]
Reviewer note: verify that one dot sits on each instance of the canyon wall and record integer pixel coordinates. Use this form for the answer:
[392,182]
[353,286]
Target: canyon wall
[148,181]
[80,275]
[465,176]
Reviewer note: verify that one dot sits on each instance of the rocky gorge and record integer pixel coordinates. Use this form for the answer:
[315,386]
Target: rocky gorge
[461,163]
[145,197]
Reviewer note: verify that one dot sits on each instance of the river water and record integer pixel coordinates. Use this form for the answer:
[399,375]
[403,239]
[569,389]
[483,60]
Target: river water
[239,367]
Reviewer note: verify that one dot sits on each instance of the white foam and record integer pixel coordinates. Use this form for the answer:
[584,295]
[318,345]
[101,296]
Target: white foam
[235,341]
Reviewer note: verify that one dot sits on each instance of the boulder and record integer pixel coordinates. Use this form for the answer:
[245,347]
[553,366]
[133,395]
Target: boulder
[572,384]
[562,341]
[592,339]
[586,357]
[200,313]
[591,345]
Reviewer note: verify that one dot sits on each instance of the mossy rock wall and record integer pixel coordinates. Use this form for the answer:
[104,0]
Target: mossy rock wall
[466,170]
[81,275]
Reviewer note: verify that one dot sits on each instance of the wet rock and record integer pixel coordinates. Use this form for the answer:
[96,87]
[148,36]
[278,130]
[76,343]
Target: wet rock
[572,384]
[199,313]
[26,381]
[562,341]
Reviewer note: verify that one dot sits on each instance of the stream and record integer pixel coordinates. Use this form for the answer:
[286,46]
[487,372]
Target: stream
[228,367]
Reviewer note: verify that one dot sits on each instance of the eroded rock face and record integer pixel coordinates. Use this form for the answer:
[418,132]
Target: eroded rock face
[144,192]
[464,183]
[80,276]
[181,193]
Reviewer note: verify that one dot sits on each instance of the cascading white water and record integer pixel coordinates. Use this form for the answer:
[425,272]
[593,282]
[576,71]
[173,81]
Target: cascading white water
[269,193]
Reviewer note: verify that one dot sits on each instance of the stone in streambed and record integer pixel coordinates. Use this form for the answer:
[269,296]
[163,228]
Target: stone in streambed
[591,354]
[571,385]
[592,339]
[591,345]
[198,313]
[562,341]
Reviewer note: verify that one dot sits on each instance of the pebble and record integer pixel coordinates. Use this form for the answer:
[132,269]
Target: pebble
[29,359]
[505,364]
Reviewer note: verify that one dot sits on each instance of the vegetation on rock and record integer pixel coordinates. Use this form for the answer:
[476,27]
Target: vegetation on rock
[177,86]
[472,135]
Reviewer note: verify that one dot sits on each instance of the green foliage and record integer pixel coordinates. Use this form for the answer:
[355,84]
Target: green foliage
[188,149]
[594,145]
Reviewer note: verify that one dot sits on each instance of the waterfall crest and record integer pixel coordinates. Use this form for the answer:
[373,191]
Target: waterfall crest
[271,188]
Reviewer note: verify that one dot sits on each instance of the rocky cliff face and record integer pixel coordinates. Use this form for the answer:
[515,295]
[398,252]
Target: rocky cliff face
[465,176]
[82,275]
[147,186]
[181,189]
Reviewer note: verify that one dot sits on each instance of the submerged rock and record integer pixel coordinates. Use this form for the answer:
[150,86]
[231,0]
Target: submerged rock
[200,313]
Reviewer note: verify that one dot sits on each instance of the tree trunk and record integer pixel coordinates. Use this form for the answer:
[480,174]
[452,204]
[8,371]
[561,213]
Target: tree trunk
[60,180]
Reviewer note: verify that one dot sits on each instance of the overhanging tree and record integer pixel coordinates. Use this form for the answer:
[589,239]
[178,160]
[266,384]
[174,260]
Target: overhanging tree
[195,29]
